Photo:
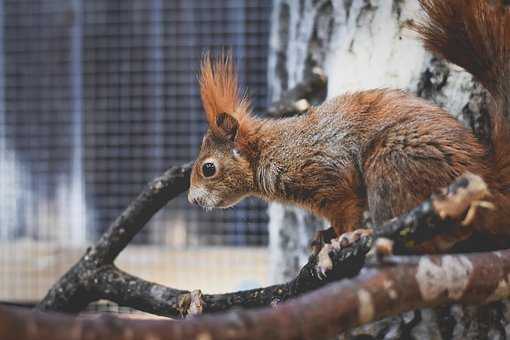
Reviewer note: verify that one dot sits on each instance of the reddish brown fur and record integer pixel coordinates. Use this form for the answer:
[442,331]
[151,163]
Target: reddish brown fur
[380,150]
[220,94]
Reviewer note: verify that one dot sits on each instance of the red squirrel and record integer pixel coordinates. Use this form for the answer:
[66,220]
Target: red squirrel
[380,150]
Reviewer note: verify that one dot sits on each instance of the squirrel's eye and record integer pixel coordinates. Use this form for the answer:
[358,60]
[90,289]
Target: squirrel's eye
[208,169]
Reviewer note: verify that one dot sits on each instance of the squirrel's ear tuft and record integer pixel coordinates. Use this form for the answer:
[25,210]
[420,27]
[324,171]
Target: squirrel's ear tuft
[221,99]
[228,126]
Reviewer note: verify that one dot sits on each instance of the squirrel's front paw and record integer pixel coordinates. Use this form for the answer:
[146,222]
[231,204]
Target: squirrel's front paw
[324,262]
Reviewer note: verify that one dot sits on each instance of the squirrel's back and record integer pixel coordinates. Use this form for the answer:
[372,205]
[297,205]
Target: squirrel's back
[404,148]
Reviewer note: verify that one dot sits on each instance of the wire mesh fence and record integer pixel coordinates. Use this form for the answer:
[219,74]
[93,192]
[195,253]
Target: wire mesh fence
[97,98]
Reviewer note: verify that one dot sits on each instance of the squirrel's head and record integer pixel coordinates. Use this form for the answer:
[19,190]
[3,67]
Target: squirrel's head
[222,174]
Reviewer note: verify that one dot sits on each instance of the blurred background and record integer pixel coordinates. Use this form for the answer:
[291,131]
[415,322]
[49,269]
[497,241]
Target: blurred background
[96,99]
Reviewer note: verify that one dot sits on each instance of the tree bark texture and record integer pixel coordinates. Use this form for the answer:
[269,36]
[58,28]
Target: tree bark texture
[377,292]
[362,44]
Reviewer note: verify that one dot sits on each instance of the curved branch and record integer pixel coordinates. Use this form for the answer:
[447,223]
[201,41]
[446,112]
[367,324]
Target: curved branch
[71,293]
[125,289]
[423,282]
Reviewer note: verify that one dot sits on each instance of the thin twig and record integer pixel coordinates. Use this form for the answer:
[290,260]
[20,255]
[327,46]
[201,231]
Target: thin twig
[299,99]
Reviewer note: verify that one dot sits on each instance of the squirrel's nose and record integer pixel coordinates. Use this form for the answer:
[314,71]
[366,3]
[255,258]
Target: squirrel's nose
[192,198]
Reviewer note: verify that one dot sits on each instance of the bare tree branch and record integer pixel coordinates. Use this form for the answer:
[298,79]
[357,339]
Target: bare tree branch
[417,282]
[115,285]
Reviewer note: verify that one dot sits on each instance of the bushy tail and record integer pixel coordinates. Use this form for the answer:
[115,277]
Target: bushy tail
[475,34]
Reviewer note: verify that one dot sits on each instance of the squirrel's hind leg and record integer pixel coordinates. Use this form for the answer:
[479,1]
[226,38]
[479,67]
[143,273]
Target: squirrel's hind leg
[399,175]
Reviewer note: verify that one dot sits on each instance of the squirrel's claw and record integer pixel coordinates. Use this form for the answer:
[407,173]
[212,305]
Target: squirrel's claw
[473,208]
[324,262]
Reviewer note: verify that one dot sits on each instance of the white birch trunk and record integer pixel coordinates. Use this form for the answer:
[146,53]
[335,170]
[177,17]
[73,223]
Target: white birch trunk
[363,44]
